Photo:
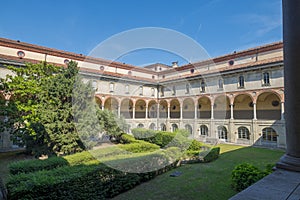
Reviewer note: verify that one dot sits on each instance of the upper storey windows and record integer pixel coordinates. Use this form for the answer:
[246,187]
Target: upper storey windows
[266,79]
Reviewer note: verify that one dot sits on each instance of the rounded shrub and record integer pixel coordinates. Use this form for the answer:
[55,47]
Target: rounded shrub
[244,175]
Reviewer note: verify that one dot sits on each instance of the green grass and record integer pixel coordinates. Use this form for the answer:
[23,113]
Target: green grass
[203,181]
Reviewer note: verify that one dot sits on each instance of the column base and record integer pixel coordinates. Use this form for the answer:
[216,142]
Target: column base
[288,162]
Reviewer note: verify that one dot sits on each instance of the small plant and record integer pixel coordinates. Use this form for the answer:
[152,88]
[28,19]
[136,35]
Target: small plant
[245,175]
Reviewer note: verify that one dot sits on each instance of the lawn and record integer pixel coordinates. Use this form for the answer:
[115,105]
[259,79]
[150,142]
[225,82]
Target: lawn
[203,181]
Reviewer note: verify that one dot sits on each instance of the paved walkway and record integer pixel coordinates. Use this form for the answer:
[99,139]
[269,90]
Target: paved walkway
[279,185]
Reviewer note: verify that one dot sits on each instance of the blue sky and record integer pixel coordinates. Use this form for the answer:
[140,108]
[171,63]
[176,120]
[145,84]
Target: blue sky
[220,26]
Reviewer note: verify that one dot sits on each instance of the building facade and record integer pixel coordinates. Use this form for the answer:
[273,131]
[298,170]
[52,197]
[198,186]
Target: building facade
[236,98]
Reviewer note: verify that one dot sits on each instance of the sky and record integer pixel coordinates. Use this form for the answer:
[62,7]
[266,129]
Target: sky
[219,26]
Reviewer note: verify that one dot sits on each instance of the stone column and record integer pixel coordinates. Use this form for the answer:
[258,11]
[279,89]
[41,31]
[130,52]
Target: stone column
[291,39]
[254,111]
[102,106]
[231,111]
[195,112]
[282,110]
[146,116]
[181,112]
[168,112]
[133,112]
[212,111]
[119,110]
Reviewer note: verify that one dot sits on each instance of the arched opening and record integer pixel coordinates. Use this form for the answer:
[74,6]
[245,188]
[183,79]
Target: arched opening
[152,126]
[174,127]
[204,108]
[163,127]
[111,104]
[189,129]
[243,107]
[163,109]
[269,135]
[140,109]
[188,110]
[222,133]
[127,108]
[222,107]
[243,133]
[174,109]
[98,102]
[203,130]
[140,125]
[152,109]
[268,106]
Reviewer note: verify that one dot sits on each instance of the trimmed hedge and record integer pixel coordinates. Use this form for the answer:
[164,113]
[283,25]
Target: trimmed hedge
[127,139]
[28,166]
[140,146]
[94,181]
[164,138]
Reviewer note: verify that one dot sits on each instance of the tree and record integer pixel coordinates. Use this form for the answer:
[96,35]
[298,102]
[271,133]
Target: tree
[21,113]
[53,111]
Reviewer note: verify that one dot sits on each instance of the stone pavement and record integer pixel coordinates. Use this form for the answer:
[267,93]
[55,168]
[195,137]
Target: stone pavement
[279,185]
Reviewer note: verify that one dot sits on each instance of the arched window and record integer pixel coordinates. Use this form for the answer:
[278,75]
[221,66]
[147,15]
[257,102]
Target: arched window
[140,125]
[266,78]
[203,130]
[269,134]
[189,129]
[241,82]
[174,127]
[222,132]
[163,127]
[221,84]
[243,133]
[152,126]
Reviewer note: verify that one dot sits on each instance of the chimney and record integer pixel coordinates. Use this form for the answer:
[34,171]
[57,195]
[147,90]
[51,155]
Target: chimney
[175,64]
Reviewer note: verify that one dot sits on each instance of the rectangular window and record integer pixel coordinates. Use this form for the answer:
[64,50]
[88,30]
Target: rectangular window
[202,86]
[162,91]
[174,90]
[266,79]
[141,90]
[152,92]
[127,89]
[111,87]
[187,87]
[221,84]
[94,85]
[241,82]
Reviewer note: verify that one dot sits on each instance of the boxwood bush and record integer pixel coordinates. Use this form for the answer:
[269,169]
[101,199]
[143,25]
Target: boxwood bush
[163,138]
[140,146]
[244,175]
[127,139]
[89,181]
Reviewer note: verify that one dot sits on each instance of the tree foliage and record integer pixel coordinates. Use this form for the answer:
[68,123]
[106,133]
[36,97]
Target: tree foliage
[53,111]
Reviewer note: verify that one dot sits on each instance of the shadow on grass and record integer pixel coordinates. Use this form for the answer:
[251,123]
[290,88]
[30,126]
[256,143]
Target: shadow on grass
[204,180]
